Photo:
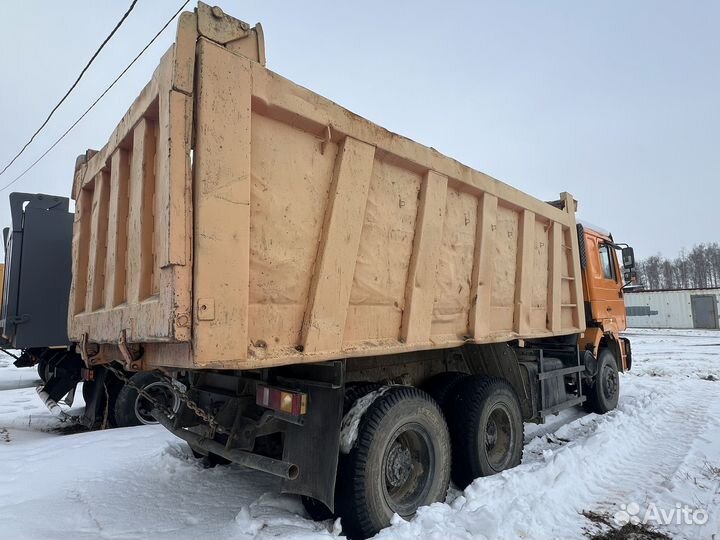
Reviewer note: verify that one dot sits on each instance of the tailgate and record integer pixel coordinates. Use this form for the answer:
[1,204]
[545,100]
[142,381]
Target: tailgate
[133,230]
[131,235]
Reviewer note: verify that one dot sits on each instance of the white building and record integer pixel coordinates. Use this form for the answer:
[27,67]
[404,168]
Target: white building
[689,308]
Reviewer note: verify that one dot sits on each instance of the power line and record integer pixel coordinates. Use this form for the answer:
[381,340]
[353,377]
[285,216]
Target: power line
[91,107]
[56,107]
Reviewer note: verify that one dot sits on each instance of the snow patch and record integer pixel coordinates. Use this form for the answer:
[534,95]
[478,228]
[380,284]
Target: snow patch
[351,421]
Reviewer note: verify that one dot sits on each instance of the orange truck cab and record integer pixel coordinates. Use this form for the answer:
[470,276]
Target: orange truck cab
[603,280]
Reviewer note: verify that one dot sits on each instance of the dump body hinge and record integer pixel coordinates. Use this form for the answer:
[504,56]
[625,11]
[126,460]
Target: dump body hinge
[130,357]
[87,357]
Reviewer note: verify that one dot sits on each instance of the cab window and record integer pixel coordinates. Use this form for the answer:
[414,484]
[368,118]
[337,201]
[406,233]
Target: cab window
[606,262]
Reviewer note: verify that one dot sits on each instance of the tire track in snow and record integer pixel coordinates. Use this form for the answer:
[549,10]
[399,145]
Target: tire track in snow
[654,455]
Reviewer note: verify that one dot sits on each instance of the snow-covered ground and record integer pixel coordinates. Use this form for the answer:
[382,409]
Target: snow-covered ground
[660,449]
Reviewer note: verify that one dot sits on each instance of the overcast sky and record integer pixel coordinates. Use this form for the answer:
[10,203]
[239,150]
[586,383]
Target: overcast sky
[616,102]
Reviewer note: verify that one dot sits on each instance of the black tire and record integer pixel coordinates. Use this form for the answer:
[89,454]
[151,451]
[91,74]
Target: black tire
[317,510]
[132,409]
[43,369]
[401,461]
[604,393]
[486,427]
[441,388]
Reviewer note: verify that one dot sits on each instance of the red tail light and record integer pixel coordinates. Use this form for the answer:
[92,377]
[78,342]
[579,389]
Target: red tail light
[284,401]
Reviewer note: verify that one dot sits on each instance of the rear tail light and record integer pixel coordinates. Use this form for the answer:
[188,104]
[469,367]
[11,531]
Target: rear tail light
[283,401]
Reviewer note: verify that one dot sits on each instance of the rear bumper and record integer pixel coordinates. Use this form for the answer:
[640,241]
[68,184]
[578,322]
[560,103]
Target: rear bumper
[276,467]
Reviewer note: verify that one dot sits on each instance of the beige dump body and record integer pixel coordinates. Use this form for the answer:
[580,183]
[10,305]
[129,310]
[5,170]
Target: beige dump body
[237,220]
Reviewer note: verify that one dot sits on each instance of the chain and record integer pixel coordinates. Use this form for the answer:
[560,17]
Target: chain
[208,418]
[141,391]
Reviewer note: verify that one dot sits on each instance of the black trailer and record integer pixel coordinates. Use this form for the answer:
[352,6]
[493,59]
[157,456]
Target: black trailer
[34,311]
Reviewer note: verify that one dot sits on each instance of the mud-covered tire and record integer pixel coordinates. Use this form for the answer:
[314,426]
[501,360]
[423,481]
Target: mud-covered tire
[400,461]
[132,409]
[486,428]
[441,387]
[604,393]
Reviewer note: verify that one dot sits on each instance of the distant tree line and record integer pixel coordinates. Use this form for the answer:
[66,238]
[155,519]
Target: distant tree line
[697,268]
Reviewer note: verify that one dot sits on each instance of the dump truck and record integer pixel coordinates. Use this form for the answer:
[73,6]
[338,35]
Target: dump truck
[337,305]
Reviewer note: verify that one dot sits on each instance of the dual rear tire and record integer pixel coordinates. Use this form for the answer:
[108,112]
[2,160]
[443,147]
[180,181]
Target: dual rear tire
[487,428]
[400,461]
[406,452]
[485,422]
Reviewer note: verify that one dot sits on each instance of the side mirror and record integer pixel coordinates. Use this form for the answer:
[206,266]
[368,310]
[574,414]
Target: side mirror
[628,258]
[630,276]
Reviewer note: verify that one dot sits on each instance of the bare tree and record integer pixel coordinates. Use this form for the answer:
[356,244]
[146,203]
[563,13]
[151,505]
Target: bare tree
[697,268]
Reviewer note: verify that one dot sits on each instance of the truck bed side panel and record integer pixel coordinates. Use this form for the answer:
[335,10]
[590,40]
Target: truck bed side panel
[303,232]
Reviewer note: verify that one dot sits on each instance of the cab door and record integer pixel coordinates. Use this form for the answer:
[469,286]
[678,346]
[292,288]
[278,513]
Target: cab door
[604,281]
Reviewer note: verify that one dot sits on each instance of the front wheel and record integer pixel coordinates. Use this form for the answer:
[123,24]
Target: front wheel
[603,395]
[400,461]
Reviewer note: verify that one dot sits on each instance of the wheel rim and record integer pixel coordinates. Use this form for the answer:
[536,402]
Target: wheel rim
[609,381]
[499,437]
[160,391]
[407,467]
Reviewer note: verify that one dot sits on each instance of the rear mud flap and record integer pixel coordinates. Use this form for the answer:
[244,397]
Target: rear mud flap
[61,385]
[314,446]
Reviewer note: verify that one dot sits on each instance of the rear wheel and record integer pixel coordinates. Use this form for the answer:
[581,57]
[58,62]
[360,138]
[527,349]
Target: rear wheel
[441,387]
[486,427]
[316,509]
[133,409]
[401,461]
[603,395]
